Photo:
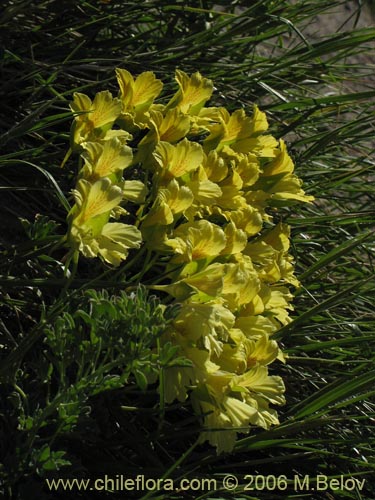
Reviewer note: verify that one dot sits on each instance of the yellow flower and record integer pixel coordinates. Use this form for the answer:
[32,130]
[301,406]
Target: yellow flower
[241,284]
[93,118]
[209,322]
[232,358]
[134,191]
[169,202]
[278,181]
[198,240]
[137,96]
[193,93]
[276,301]
[168,126]
[230,403]
[232,194]
[264,146]
[241,133]
[180,380]
[116,239]
[201,286]
[211,175]
[215,166]
[269,253]
[176,161]
[205,191]
[94,200]
[248,168]
[225,409]
[262,351]
[246,218]
[236,239]
[257,380]
[107,159]
[90,232]
[254,327]
[223,422]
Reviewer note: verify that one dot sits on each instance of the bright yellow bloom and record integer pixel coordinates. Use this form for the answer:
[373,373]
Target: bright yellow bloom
[180,380]
[232,195]
[134,191]
[205,191]
[230,403]
[115,241]
[193,93]
[197,240]
[90,232]
[137,96]
[201,286]
[248,169]
[241,133]
[94,200]
[215,166]
[246,218]
[241,284]
[107,159]
[223,420]
[269,253]
[111,242]
[276,301]
[278,181]
[236,239]
[209,322]
[257,381]
[176,161]
[93,118]
[262,351]
[254,327]
[169,202]
[171,127]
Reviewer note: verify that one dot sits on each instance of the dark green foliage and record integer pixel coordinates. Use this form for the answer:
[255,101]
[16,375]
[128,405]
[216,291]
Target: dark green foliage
[100,344]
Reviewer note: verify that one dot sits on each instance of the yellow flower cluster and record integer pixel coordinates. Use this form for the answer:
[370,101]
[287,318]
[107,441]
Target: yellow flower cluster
[211,177]
[101,188]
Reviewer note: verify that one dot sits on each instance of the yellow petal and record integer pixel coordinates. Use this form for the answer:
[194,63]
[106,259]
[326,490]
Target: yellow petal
[126,235]
[215,167]
[146,88]
[236,240]
[241,285]
[96,199]
[179,198]
[134,191]
[257,380]
[248,168]
[105,109]
[204,238]
[254,327]
[193,94]
[264,146]
[137,96]
[263,351]
[246,218]
[173,126]
[93,118]
[175,161]
[106,159]
[205,192]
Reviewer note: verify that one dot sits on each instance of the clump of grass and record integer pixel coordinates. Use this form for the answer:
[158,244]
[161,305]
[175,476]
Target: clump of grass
[255,54]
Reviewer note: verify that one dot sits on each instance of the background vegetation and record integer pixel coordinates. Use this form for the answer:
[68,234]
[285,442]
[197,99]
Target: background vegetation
[67,346]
